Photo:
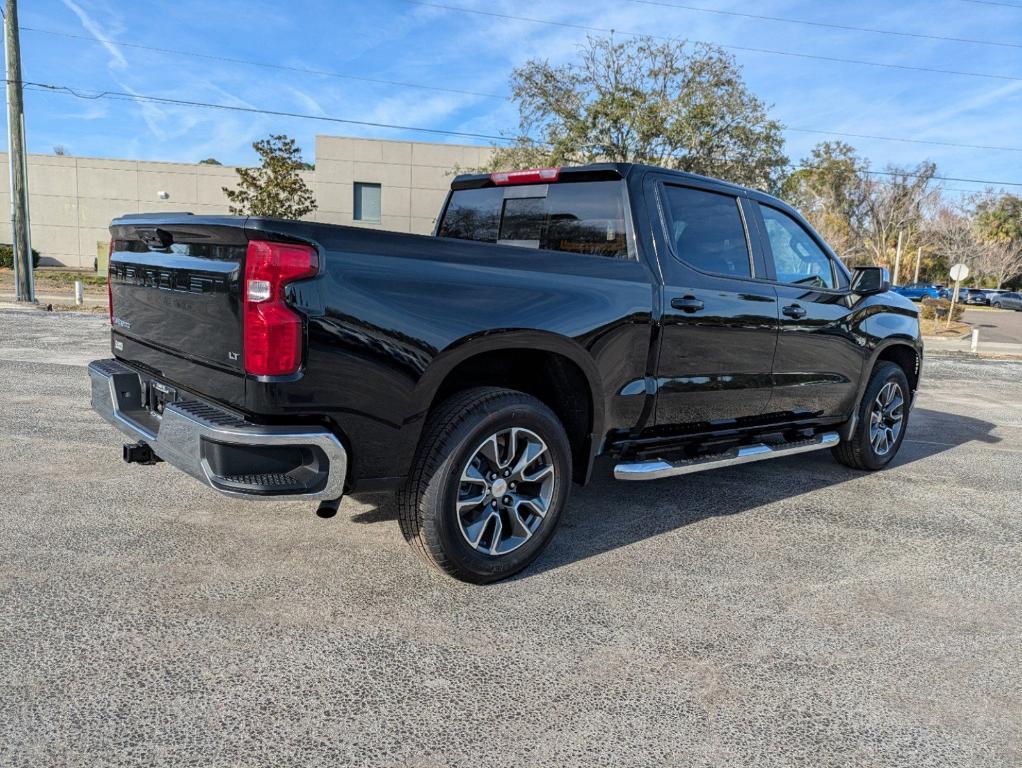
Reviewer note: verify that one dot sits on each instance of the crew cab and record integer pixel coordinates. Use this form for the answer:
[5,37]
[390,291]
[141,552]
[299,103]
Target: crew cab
[671,322]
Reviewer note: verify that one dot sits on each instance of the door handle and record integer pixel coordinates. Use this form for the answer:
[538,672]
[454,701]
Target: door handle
[795,311]
[687,304]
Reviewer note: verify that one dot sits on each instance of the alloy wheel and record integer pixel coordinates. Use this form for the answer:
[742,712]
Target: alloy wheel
[887,417]
[505,491]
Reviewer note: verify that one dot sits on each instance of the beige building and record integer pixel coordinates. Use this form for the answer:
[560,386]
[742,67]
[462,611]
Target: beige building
[395,185]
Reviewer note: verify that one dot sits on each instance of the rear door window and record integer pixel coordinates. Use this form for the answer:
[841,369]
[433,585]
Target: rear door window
[582,217]
[708,231]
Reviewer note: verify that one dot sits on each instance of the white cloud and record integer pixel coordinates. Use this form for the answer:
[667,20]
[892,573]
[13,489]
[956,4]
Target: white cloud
[117,59]
[473,52]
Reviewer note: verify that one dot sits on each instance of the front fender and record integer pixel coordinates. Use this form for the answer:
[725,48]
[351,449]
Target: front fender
[890,321]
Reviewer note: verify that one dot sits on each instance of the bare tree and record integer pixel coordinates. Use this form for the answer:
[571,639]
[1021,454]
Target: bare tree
[952,235]
[896,203]
[859,212]
[1000,260]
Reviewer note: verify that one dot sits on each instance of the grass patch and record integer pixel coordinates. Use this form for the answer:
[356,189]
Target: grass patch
[75,308]
[940,328]
[62,278]
[59,282]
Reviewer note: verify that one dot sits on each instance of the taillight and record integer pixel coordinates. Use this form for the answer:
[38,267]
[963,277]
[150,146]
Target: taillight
[273,331]
[530,176]
[109,287]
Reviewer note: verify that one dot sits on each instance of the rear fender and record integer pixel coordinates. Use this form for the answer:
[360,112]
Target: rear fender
[464,349]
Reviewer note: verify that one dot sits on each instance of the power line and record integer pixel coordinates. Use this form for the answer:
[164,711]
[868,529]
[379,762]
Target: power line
[945,178]
[377,81]
[907,141]
[267,65]
[992,2]
[120,95]
[748,49]
[138,97]
[827,25]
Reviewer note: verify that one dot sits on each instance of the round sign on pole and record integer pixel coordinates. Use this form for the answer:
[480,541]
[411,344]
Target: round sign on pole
[959,272]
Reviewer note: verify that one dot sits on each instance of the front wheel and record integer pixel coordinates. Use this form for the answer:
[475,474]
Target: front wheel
[881,423]
[488,484]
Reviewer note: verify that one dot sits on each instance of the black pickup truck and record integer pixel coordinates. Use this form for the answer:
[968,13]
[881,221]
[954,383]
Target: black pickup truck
[672,322]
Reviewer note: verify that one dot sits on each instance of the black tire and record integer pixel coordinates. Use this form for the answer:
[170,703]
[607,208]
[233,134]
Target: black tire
[859,451]
[427,505]
[995,304]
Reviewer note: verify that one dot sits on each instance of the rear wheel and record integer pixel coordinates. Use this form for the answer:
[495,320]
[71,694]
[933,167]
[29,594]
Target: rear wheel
[881,423]
[488,485]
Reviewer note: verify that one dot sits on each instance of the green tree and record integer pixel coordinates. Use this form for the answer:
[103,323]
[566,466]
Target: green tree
[210,161]
[666,103]
[275,188]
[999,223]
[1000,217]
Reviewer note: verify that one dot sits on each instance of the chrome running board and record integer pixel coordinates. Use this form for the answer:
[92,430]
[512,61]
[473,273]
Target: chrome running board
[654,469]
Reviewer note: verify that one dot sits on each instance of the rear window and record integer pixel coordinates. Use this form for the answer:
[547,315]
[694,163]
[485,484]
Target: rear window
[584,217]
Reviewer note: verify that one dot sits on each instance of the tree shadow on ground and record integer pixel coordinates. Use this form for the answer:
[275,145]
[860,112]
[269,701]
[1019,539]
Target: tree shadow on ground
[608,514]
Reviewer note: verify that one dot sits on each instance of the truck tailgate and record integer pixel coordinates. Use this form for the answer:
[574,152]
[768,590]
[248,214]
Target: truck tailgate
[177,287]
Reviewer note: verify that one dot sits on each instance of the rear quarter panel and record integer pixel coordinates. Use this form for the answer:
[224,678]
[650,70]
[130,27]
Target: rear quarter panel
[391,314]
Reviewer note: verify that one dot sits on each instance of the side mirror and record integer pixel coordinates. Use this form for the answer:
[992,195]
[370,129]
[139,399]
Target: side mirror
[869,280]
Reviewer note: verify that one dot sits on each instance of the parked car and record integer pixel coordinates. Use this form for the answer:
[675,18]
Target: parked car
[672,322]
[1008,300]
[973,296]
[920,291]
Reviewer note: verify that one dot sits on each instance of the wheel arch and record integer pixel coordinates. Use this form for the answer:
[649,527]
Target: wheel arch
[554,369]
[902,353]
[905,352]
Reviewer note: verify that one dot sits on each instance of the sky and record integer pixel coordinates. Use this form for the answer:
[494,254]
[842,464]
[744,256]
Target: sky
[96,46]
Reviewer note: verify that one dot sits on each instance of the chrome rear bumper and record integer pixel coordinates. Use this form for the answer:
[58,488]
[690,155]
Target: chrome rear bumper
[217,447]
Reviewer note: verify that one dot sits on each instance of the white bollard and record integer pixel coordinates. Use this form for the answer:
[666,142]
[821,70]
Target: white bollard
[79,293]
[975,340]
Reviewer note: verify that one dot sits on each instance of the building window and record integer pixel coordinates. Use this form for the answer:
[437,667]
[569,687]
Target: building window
[367,202]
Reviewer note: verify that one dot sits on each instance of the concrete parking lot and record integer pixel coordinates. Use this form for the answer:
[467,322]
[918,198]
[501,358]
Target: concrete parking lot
[784,613]
[998,325]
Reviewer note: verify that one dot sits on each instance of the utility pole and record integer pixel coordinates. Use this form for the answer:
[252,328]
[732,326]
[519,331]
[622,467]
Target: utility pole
[919,258]
[897,259]
[21,236]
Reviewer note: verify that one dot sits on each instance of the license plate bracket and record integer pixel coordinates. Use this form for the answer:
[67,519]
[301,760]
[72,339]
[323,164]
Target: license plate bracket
[158,396]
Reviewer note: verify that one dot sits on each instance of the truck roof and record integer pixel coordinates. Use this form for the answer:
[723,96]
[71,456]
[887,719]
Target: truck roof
[598,172]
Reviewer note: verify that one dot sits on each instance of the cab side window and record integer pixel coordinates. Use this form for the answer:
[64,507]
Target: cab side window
[708,231]
[797,258]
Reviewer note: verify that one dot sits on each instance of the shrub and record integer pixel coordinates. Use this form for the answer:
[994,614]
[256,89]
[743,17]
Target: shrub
[7,256]
[937,309]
